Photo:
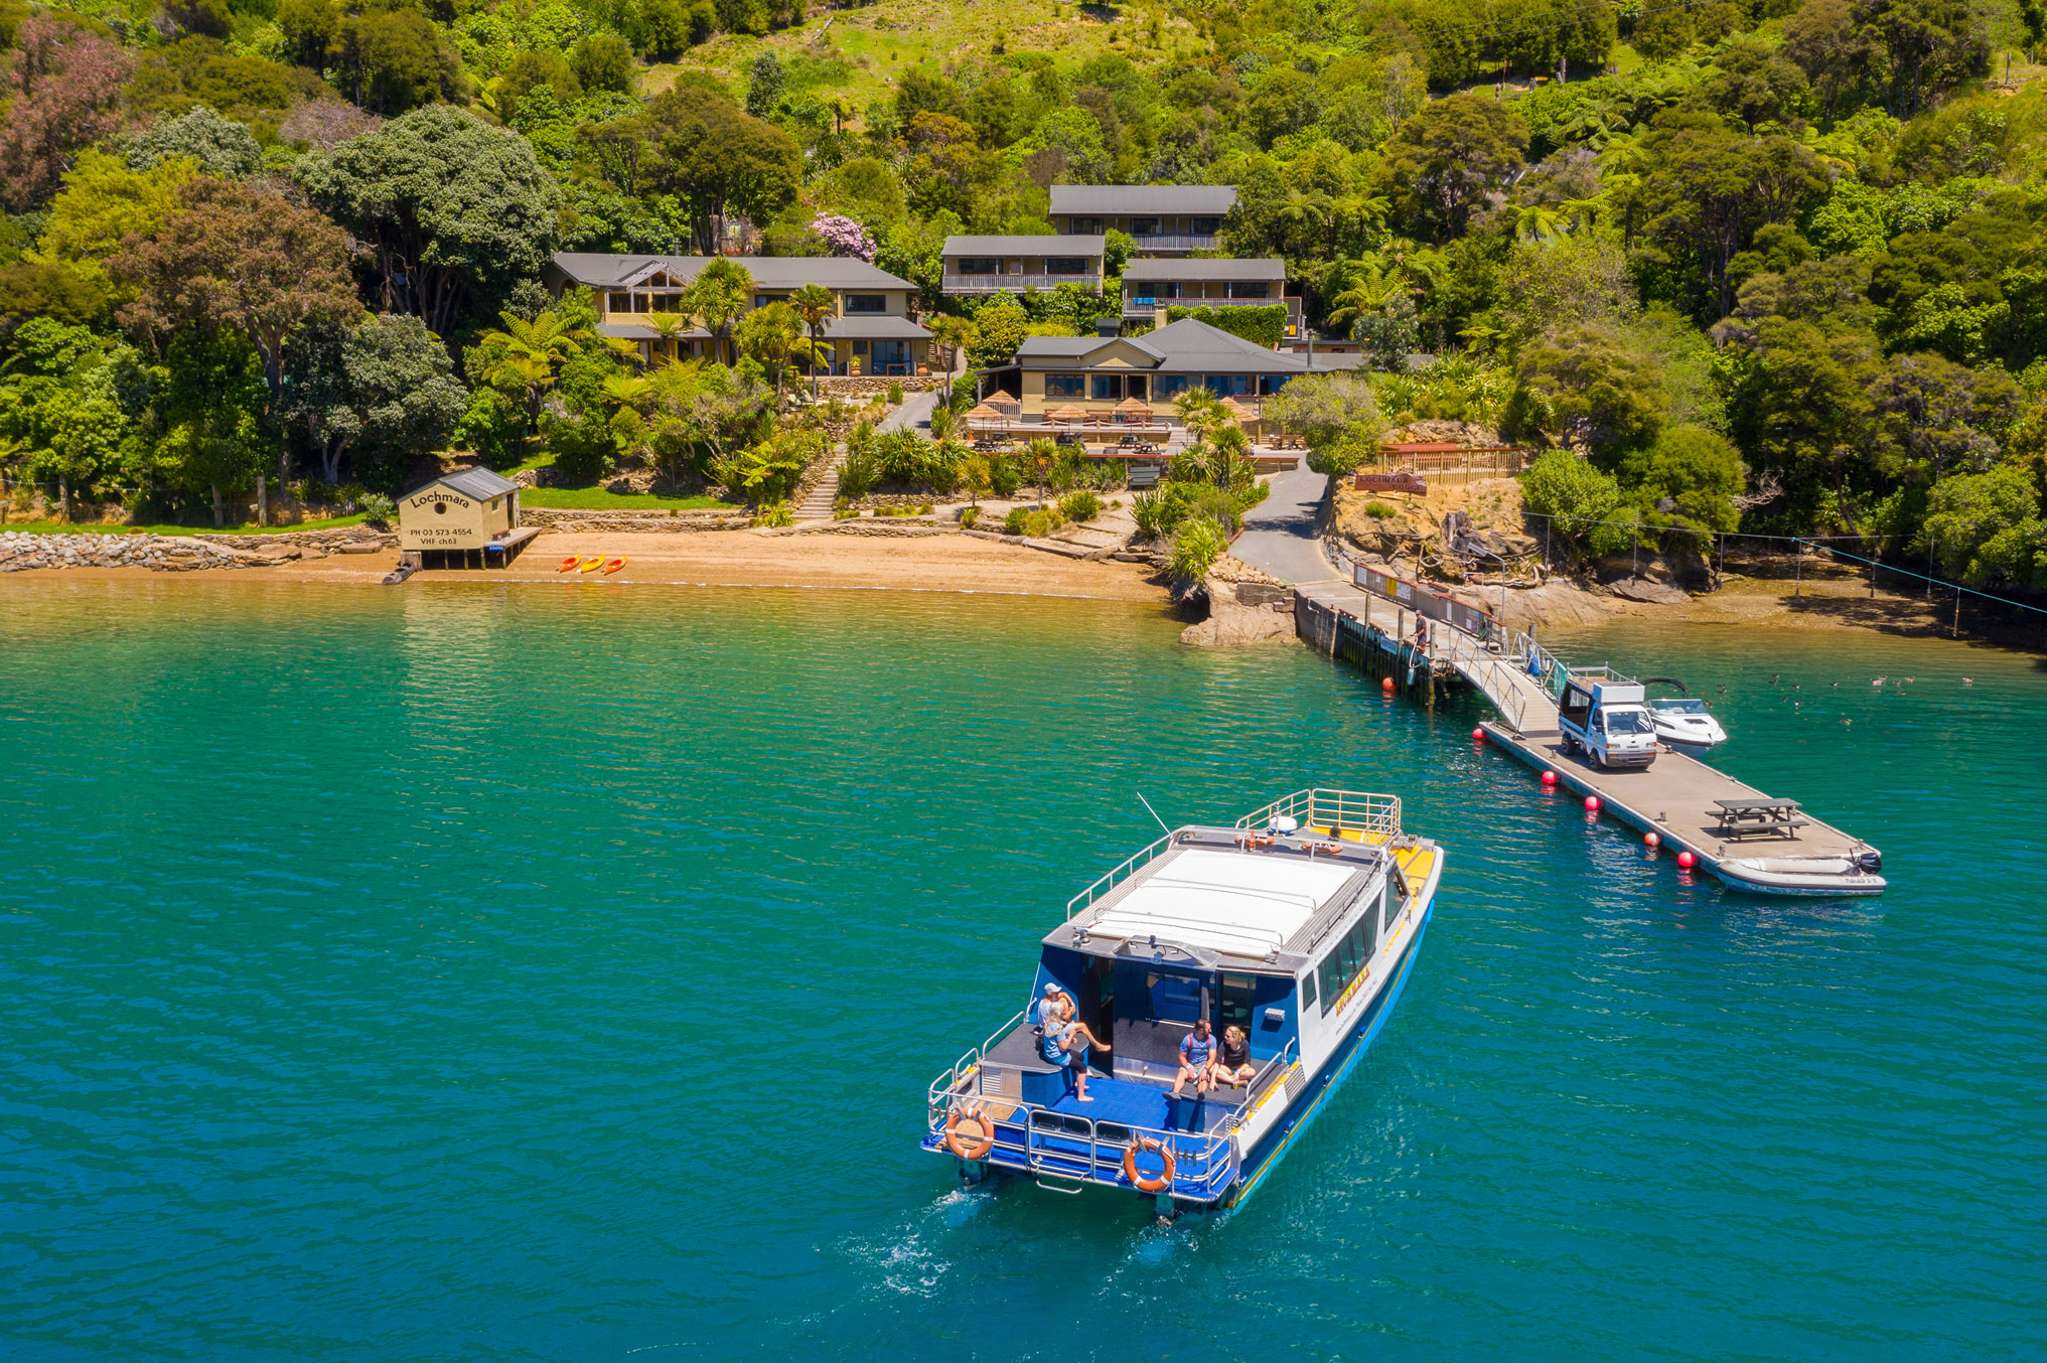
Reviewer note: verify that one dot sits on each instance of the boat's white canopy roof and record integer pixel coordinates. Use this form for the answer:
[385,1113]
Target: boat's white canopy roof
[1231,902]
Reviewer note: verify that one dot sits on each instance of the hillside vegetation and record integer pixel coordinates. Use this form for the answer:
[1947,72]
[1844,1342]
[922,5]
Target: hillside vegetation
[1775,264]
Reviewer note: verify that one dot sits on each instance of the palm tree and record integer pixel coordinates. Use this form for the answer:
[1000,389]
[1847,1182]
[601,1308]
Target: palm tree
[528,356]
[951,334]
[719,296]
[815,305]
[1200,411]
[668,328]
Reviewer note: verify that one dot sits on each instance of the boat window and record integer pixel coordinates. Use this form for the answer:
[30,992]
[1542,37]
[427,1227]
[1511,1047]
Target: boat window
[1389,906]
[1238,991]
[1680,706]
[1347,959]
[1307,992]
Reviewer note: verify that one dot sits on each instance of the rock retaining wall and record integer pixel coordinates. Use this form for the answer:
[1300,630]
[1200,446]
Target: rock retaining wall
[168,553]
[874,385]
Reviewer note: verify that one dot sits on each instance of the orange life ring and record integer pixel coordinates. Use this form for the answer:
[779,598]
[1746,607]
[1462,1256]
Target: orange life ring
[1139,1181]
[964,1146]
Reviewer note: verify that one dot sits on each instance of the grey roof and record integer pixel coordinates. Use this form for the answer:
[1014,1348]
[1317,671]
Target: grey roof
[1064,347]
[481,484]
[1184,347]
[769,272]
[869,327]
[1153,267]
[1071,244]
[1193,347]
[1094,200]
[641,331]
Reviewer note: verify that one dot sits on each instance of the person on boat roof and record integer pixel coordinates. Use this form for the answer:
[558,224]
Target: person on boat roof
[1063,1040]
[1197,1059]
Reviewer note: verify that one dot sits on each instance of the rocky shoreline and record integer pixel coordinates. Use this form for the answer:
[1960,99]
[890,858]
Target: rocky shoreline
[21,551]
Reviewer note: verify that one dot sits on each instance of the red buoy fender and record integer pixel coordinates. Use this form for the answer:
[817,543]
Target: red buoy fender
[1142,1183]
[968,1134]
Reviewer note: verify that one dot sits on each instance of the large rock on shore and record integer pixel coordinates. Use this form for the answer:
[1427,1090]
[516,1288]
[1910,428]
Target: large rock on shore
[1242,613]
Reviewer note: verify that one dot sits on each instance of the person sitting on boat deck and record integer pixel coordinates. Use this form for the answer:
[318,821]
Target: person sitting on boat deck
[1197,1059]
[1234,1066]
[1063,1040]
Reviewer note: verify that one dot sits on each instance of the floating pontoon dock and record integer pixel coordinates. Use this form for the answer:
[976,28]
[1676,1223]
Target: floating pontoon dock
[1677,798]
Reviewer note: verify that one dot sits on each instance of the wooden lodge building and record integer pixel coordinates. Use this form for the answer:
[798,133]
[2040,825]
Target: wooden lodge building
[872,332]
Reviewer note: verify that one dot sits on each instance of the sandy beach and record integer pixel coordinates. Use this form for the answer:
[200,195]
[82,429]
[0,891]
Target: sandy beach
[744,558]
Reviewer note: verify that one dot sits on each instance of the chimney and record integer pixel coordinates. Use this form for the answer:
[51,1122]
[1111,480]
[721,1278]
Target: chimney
[1111,325]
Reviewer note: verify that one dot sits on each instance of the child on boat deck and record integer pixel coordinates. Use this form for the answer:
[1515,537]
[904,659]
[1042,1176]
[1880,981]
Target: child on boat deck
[1063,1040]
[1197,1059]
[1234,1068]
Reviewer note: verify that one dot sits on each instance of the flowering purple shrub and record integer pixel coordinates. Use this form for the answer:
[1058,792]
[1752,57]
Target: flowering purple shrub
[843,236]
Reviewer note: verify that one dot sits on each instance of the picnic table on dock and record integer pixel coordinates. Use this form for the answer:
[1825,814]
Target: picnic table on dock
[1759,818]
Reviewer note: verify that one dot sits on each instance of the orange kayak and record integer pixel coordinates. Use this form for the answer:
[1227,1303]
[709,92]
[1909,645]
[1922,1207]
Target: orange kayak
[591,565]
[568,563]
[613,566]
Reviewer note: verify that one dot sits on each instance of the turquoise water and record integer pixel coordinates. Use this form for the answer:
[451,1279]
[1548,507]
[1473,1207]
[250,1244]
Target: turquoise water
[483,972]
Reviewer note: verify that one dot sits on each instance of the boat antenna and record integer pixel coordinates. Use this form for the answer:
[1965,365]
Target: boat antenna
[1153,812]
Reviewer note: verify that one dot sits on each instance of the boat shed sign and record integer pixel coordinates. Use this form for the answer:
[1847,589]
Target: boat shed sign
[467,509]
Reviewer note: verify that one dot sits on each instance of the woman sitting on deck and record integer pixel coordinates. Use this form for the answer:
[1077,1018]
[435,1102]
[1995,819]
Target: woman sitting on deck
[1063,1040]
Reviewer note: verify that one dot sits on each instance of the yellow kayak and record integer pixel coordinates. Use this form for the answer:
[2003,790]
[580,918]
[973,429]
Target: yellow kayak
[591,565]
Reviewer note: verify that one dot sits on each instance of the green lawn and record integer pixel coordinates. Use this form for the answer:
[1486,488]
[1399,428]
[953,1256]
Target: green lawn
[97,528]
[856,55]
[597,499]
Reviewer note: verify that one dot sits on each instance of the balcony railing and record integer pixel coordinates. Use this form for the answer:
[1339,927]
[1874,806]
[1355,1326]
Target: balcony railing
[1144,302]
[1014,283]
[1174,241]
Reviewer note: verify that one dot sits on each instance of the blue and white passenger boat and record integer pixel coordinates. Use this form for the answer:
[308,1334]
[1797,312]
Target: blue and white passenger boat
[1298,925]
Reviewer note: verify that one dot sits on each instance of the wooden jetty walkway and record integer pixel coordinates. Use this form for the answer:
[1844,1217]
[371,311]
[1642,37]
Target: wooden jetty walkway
[1674,799]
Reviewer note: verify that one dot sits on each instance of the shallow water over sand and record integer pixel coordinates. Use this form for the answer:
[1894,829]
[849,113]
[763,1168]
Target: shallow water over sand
[484,972]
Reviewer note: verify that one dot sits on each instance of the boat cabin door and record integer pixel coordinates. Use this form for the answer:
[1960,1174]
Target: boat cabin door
[1097,1004]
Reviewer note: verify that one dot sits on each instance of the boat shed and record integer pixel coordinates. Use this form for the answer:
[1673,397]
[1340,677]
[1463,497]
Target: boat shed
[468,518]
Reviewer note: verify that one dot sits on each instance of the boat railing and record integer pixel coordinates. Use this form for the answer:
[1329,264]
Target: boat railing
[1116,876]
[1326,807]
[970,1061]
[1052,1141]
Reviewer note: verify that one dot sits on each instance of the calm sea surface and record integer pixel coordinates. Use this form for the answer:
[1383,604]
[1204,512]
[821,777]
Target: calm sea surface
[480,972]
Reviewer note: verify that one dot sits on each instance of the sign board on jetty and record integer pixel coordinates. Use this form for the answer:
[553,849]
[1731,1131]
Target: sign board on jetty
[1424,601]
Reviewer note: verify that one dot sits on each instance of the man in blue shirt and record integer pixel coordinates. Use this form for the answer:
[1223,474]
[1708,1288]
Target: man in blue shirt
[1197,1059]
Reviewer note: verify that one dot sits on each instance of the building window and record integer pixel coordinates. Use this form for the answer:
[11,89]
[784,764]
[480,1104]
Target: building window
[1105,387]
[1085,227]
[761,300]
[1206,227]
[1231,385]
[1144,227]
[979,265]
[1169,385]
[866,302]
[1068,265]
[1065,385]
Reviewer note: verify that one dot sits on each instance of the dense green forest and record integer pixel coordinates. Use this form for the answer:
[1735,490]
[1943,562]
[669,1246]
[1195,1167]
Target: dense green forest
[1738,262]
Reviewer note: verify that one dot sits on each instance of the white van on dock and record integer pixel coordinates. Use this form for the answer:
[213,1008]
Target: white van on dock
[1608,721]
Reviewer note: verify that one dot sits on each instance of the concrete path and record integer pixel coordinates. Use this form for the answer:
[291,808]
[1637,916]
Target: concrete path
[1280,532]
[913,414]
